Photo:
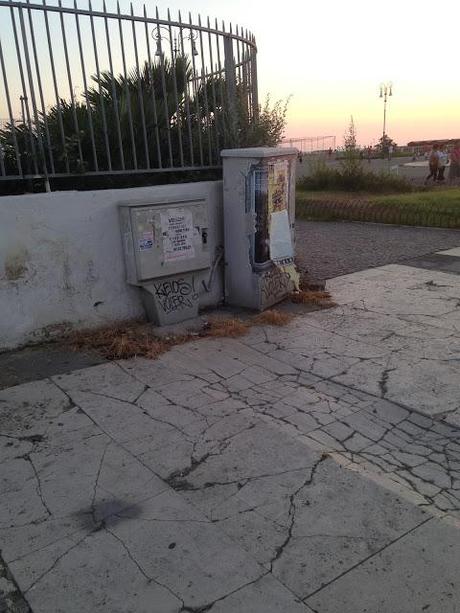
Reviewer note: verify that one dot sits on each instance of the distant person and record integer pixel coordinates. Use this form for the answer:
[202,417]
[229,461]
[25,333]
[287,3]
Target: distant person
[329,152]
[454,169]
[369,153]
[443,161]
[299,157]
[433,163]
[390,152]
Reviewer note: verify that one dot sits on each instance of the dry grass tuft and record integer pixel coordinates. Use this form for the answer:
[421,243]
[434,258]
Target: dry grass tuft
[120,341]
[226,327]
[272,318]
[322,299]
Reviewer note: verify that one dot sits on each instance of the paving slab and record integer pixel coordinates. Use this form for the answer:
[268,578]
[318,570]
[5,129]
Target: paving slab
[419,572]
[94,573]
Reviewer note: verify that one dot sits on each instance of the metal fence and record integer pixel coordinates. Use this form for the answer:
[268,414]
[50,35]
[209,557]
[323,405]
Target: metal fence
[90,92]
[311,144]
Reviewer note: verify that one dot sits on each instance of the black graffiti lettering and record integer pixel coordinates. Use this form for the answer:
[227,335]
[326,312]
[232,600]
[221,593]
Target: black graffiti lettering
[164,289]
[175,303]
[174,295]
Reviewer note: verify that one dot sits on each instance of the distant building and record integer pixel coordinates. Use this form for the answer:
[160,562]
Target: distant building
[429,143]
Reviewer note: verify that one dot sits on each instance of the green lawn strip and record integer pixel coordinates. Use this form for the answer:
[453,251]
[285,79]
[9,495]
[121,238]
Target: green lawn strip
[438,207]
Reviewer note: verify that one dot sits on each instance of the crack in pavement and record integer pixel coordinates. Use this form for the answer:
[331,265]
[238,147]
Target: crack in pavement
[28,459]
[207,607]
[98,524]
[292,509]
[242,481]
[55,563]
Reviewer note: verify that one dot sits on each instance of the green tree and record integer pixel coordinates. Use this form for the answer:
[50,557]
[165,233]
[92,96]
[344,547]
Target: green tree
[384,143]
[351,164]
[266,128]
[350,136]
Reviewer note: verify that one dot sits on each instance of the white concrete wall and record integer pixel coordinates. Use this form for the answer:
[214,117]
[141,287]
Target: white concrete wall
[61,259]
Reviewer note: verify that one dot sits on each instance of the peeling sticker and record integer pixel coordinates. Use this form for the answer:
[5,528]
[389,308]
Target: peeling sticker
[146,241]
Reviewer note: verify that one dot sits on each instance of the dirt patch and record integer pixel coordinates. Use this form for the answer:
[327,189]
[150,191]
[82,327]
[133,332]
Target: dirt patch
[16,265]
[41,361]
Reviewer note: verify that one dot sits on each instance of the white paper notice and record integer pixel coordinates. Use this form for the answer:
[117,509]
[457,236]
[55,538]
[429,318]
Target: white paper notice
[280,237]
[177,230]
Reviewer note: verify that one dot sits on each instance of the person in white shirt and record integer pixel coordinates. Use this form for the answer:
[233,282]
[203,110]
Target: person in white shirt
[443,161]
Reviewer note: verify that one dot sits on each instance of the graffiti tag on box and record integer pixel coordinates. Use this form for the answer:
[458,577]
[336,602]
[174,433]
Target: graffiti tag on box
[175,295]
[275,284]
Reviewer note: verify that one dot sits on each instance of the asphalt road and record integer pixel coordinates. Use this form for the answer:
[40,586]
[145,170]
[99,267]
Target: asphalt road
[329,249]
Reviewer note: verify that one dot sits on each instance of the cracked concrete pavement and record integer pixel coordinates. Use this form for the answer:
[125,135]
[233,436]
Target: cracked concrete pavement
[308,468]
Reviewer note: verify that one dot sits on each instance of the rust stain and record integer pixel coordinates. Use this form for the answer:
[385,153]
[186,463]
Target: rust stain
[16,265]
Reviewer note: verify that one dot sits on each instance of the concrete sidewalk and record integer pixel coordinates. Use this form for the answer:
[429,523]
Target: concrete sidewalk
[314,467]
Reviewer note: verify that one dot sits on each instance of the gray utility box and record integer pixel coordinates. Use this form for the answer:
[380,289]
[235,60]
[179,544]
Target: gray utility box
[259,214]
[164,244]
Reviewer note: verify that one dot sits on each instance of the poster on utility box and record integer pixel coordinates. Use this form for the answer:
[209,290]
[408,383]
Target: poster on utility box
[177,231]
[280,232]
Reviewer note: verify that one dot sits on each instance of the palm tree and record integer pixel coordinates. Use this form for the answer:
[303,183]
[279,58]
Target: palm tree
[153,97]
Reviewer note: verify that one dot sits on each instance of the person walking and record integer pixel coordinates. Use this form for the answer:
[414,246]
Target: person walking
[433,163]
[442,163]
[454,168]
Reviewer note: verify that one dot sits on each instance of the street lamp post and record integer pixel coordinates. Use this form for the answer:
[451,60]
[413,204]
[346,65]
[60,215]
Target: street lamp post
[386,90]
[158,37]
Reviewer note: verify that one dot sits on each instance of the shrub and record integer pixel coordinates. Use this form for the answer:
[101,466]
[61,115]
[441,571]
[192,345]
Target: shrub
[334,179]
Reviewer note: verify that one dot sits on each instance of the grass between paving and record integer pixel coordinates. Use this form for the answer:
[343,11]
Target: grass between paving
[130,339]
[439,207]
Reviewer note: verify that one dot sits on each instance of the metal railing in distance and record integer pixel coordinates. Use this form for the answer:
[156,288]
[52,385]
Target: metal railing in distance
[311,144]
[85,91]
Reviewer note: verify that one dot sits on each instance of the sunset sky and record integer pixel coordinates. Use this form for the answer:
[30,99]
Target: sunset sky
[329,57]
